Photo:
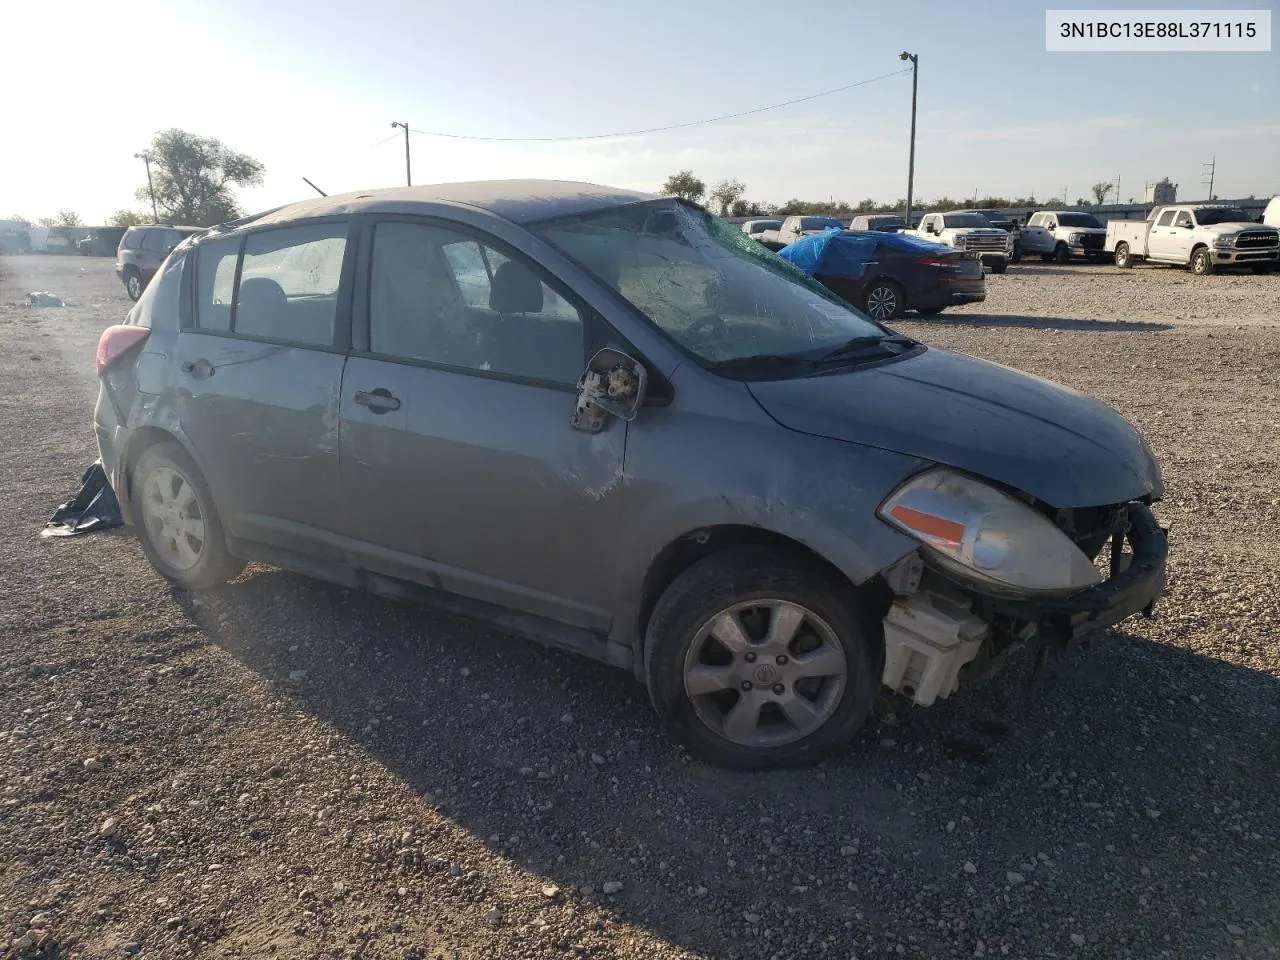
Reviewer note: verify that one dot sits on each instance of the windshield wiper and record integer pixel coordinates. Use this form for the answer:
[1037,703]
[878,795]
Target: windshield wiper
[861,344]
[763,361]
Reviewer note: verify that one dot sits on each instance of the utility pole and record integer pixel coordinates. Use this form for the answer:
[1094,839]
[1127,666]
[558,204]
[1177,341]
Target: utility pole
[1208,170]
[146,158]
[408,176]
[911,157]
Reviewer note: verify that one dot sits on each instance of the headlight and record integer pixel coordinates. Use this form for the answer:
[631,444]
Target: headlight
[1224,241]
[982,532]
[1075,238]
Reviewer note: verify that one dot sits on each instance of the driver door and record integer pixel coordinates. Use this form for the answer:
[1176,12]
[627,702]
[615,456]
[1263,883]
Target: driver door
[1161,238]
[460,469]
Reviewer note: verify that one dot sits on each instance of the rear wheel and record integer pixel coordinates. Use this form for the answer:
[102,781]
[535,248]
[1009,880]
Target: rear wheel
[884,301]
[1200,262]
[1061,253]
[761,658]
[132,283]
[176,521]
[1123,259]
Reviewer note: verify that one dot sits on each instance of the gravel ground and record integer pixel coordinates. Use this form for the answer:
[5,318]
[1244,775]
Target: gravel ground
[284,768]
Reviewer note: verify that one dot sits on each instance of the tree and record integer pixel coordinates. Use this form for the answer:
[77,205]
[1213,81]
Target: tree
[193,176]
[1100,190]
[743,208]
[685,186]
[726,192]
[125,218]
[68,218]
[47,222]
[19,218]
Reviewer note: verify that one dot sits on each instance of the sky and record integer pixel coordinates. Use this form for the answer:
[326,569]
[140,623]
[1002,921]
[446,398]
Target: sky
[310,89]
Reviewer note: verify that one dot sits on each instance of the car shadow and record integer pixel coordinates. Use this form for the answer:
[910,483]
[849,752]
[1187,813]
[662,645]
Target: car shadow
[1037,322]
[1121,758]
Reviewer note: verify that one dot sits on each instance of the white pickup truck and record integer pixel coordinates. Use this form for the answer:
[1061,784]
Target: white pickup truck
[1201,236]
[968,231]
[1060,235]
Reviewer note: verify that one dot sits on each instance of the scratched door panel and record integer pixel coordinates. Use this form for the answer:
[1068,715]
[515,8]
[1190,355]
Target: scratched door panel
[479,485]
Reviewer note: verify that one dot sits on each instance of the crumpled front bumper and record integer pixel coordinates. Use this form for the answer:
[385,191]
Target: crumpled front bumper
[1134,589]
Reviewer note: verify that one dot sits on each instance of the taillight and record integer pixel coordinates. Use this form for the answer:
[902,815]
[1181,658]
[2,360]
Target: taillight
[116,341]
[942,260]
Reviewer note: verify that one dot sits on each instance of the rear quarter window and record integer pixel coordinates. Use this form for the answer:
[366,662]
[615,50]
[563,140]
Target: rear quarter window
[162,299]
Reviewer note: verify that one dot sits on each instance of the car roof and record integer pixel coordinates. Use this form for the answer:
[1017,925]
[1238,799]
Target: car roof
[521,201]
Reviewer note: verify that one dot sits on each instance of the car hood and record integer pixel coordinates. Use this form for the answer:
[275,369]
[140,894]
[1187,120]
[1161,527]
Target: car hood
[1044,439]
[1231,229]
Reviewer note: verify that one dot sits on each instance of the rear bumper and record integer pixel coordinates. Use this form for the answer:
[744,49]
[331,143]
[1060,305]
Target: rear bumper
[112,438]
[950,294]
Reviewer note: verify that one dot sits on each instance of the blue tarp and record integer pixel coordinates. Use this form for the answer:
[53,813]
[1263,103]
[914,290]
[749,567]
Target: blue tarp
[846,253]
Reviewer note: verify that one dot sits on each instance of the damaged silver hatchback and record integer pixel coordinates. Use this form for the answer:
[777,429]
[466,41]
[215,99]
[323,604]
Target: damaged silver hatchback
[614,423]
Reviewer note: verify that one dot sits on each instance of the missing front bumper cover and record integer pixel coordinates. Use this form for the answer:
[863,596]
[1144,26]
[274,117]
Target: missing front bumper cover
[938,628]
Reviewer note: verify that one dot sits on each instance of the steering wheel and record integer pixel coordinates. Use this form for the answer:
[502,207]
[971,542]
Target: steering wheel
[712,324]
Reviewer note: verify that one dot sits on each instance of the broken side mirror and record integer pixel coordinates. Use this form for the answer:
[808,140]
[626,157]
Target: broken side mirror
[613,384]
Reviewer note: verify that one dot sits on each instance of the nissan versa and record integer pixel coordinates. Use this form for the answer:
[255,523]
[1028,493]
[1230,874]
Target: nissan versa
[615,423]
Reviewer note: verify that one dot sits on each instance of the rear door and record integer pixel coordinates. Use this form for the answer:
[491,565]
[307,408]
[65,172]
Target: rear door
[459,467]
[260,372]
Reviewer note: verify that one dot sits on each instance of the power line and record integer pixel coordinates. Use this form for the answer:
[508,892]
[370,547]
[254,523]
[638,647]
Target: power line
[672,126]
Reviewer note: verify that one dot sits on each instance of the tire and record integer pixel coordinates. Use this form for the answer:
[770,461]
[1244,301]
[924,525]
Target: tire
[1201,264]
[1123,260]
[132,283]
[1061,253]
[1017,253]
[884,301]
[171,494]
[742,595]
[1000,266]
[1260,268]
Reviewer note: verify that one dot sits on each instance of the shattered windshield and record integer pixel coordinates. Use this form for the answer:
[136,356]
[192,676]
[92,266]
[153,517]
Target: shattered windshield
[1079,220]
[1211,215]
[707,284]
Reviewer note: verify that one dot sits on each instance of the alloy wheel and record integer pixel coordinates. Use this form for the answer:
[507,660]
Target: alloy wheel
[133,286]
[174,517]
[765,672]
[882,302]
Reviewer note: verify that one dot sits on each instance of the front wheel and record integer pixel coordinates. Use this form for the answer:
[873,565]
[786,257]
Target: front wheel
[761,658]
[1061,253]
[884,301]
[1200,262]
[999,266]
[1123,258]
[177,524]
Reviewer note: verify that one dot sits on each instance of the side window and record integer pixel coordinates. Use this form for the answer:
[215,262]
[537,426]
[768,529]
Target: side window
[289,283]
[215,282]
[163,295]
[1036,221]
[153,241]
[1166,218]
[1051,224]
[1182,219]
[131,240]
[442,296]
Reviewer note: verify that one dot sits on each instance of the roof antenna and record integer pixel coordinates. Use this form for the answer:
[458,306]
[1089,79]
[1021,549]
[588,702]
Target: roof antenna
[314,187]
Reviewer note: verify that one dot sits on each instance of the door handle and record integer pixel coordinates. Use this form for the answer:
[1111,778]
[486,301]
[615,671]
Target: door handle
[378,401]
